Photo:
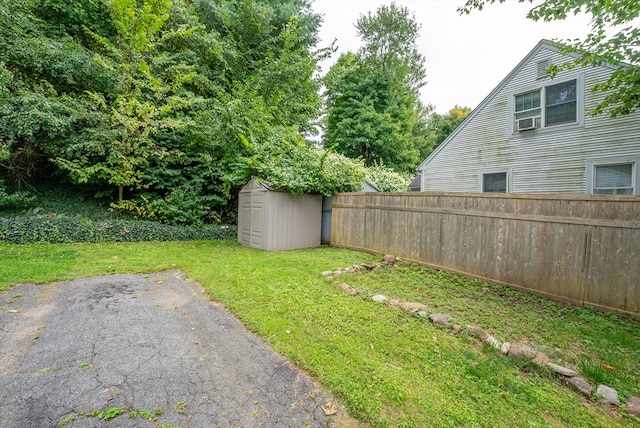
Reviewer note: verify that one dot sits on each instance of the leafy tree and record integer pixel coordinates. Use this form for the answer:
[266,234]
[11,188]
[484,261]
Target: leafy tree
[614,39]
[441,125]
[170,105]
[372,104]
[365,122]
[390,39]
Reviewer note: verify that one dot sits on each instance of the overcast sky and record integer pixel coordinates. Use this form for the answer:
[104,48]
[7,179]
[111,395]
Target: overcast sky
[466,56]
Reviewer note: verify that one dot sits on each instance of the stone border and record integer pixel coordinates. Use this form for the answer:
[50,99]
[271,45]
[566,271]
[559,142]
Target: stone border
[603,393]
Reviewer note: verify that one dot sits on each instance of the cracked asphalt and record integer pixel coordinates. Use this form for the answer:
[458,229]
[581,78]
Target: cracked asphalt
[151,347]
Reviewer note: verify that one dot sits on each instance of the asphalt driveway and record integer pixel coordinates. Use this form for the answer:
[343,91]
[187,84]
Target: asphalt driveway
[141,351]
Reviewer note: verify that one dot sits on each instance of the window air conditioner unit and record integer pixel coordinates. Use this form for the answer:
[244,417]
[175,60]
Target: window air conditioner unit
[528,123]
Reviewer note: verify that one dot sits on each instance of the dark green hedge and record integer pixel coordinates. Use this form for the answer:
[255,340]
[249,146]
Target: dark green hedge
[61,229]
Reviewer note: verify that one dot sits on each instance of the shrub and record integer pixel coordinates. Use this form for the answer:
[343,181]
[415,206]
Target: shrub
[62,229]
[388,180]
[17,200]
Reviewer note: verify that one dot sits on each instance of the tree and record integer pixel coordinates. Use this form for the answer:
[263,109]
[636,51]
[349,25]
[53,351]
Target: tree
[372,101]
[390,39]
[364,121]
[441,125]
[614,40]
[166,107]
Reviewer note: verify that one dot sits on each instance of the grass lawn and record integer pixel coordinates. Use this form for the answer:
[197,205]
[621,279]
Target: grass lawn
[388,368]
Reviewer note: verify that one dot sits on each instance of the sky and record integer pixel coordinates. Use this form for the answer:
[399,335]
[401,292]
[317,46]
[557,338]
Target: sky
[467,56]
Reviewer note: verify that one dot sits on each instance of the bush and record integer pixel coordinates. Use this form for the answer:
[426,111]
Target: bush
[62,229]
[12,201]
[388,180]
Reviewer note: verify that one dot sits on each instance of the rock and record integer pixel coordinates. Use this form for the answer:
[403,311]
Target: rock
[505,348]
[356,268]
[529,352]
[441,319]
[379,298]
[493,342]
[456,329]
[562,370]
[329,409]
[368,266]
[421,313]
[412,305]
[389,259]
[515,350]
[327,273]
[607,395]
[346,288]
[522,350]
[541,359]
[633,406]
[393,302]
[581,385]
[478,331]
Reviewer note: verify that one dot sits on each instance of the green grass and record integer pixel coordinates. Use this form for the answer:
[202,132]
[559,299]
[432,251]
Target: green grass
[389,369]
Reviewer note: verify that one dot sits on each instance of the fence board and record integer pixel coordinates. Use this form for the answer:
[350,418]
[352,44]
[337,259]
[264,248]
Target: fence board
[582,249]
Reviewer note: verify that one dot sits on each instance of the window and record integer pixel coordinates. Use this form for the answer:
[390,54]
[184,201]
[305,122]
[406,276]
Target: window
[495,182]
[613,176]
[615,179]
[528,105]
[547,106]
[560,106]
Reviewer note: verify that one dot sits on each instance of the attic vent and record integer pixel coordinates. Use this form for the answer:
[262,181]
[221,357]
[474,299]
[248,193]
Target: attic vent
[542,67]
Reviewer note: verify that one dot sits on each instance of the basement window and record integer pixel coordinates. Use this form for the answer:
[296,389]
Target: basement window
[613,176]
[494,182]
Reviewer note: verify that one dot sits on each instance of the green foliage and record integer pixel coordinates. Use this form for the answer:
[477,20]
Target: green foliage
[110,413]
[388,180]
[365,121]
[57,229]
[373,109]
[162,105]
[613,40]
[16,200]
[390,39]
[440,126]
[279,162]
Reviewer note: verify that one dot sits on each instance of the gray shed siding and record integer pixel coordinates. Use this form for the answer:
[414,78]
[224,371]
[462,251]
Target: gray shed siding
[551,160]
[274,220]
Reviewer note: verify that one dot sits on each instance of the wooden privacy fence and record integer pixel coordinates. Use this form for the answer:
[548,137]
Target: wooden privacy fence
[580,249]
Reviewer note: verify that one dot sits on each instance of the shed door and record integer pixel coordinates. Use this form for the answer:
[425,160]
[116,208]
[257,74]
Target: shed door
[250,218]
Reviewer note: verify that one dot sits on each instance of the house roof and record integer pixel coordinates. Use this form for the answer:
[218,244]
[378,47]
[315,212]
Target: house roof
[542,44]
[416,182]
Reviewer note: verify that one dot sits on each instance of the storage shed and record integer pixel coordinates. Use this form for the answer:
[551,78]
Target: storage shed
[276,220]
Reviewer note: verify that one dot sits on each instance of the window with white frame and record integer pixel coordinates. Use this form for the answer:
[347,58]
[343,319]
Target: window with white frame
[613,176]
[547,106]
[494,182]
[614,179]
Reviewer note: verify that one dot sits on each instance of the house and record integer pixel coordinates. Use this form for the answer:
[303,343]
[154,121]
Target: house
[414,186]
[533,134]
